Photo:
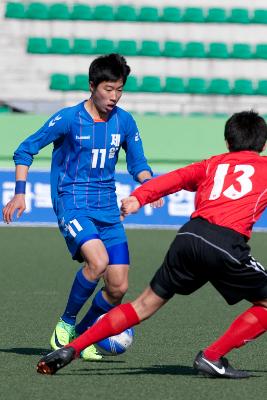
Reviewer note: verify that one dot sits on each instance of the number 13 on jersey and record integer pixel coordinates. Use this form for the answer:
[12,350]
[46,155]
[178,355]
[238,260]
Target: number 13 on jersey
[231,192]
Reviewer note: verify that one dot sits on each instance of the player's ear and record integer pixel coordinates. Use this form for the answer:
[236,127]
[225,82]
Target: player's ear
[264,147]
[91,86]
[227,145]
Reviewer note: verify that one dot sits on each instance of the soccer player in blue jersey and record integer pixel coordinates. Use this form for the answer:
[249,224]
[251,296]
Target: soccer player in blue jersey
[87,139]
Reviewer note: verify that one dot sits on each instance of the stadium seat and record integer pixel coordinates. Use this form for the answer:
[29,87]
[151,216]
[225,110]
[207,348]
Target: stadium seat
[261,87]
[196,86]
[241,50]
[150,84]
[81,82]
[59,11]
[82,46]
[131,84]
[243,86]
[261,51]
[174,85]
[171,14]
[126,12]
[150,48]
[148,14]
[218,50]
[194,50]
[239,16]
[37,10]
[103,13]
[81,12]
[259,17]
[59,46]
[172,49]
[60,82]
[15,10]
[127,47]
[219,86]
[193,14]
[37,45]
[104,46]
[216,15]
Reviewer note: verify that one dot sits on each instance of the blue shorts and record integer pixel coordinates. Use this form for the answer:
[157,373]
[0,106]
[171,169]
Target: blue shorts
[78,226]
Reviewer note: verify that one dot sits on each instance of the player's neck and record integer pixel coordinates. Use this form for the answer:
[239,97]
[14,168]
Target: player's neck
[96,114]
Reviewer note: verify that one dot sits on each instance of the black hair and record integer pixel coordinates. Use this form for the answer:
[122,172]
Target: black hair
[246,130]
[110,67]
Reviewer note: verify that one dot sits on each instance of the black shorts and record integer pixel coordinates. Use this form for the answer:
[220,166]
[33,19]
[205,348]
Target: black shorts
[203,252]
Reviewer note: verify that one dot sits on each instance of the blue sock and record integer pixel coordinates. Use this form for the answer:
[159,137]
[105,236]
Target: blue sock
[81,290]
[99,306]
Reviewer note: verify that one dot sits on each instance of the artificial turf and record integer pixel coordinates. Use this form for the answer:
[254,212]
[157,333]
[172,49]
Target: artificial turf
[36,274]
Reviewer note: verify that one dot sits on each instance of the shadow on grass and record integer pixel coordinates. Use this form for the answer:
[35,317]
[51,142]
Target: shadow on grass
[26,351]
[153,370]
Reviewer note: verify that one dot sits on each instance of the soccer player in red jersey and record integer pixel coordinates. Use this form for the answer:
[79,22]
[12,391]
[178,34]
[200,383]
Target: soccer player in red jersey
[231,194]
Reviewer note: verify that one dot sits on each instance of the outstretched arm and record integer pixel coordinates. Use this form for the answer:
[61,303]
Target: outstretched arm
[18,201]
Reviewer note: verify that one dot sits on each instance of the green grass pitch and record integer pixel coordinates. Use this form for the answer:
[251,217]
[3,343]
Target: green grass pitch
[36,274]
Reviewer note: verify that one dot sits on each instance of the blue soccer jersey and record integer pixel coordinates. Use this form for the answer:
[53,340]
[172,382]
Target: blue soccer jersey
[84,157]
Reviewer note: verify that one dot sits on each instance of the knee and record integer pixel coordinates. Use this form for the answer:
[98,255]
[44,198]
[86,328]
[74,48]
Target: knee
[96,267]
[116,291]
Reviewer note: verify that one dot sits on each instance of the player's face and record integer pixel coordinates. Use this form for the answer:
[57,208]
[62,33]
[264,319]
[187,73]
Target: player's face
[106,95]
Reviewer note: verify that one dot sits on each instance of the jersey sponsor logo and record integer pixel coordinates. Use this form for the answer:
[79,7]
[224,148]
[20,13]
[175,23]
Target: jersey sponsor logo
[82,137]
[54,120]
[115,139]
[220,370]
[137,137]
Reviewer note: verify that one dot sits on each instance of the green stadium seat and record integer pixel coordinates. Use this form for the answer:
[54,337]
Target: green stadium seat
[82,46]
[239,16]
[216,15]
[127,47]
[131,84]
[126,12]
[59,46]
[174,85]
[150,48]
[195,50]
[261,51]
[60,82]
[219,86]
[104,46]
[103,12]
[193,14]
[81,82]
[15,10]
[259,17]
[37,45]
[5,109]
[243,87]
[172,49]
[241,50]
[261,87]
[37,10]
[148,14]
[59,11]
[218,50]
[196,86]
[171,14]
[150,84]
[81,12]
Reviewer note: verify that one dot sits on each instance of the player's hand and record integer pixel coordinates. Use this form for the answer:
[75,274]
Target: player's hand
[129,205]
[157,204]
[17,203]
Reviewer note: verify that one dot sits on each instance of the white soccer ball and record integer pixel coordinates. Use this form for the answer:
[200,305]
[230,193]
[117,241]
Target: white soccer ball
[117,344]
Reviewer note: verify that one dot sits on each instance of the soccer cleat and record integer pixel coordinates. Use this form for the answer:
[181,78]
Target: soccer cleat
[63,334]
[217,369]
[52,362]
[91,354]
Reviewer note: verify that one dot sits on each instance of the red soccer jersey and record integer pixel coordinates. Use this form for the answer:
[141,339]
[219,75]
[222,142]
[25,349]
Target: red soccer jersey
[231,189]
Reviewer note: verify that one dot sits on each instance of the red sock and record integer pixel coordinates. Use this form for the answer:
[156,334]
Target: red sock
[246,327]
[114,322]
